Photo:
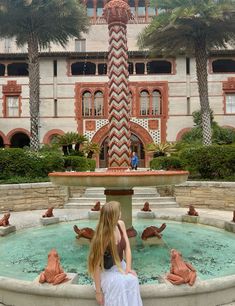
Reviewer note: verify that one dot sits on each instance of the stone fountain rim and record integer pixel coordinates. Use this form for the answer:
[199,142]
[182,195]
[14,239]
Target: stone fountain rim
[162,290]
[87,291]
[118,173]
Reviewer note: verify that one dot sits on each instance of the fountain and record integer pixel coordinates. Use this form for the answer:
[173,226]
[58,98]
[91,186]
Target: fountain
[118,180]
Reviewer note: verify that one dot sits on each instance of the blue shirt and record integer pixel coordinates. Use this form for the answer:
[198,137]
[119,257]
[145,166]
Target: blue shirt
[134,160]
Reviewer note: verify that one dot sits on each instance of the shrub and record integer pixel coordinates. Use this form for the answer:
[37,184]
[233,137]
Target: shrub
[78,163]
[166,163]
[16,162]
[211,162]
[223,135]
[52,161]
[19,162]
[220,135]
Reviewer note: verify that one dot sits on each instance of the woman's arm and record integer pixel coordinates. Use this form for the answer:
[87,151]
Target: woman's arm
[128,248]
[98,292]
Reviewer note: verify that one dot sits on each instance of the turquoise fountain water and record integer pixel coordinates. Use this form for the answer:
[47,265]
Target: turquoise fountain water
[22,255]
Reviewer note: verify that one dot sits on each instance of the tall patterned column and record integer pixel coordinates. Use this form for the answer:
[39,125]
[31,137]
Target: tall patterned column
[117,13]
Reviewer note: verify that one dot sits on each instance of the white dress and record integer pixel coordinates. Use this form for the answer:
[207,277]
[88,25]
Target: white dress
[120,289]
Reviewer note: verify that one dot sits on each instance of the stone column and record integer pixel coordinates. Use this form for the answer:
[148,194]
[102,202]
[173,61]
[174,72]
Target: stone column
[117,13]
[124,197]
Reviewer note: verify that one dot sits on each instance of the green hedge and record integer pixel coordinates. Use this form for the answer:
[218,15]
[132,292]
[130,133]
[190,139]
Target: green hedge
[16,162]
[166,163]
[78,163]
[211,162]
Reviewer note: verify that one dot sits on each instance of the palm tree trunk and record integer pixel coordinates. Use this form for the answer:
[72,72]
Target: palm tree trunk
[34,88]
[202,78]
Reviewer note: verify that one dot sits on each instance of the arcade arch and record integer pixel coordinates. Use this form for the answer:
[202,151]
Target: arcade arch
[19,140]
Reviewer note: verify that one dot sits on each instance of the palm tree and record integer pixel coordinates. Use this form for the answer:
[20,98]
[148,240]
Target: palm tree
[38,23]
[67,140]
[192,27]
[160,149]
[90,148]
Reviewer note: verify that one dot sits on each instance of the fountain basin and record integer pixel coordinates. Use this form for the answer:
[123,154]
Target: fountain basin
[212,292]
[119,179]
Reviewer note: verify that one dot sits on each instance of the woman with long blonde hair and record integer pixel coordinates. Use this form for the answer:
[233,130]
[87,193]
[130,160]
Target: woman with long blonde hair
[116,284]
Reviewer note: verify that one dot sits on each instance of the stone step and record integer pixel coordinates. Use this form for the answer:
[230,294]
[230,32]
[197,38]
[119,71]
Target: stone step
[135,206]
[141,191]
[135,200]
[100,196]
[141,195]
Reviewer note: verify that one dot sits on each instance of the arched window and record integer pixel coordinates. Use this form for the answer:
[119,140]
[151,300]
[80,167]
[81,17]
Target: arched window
[144,103]
[93,104]
[98,104]
[86,104]
[150,104]
[156,103]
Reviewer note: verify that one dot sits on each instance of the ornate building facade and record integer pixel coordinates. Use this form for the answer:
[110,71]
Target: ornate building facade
[74,88]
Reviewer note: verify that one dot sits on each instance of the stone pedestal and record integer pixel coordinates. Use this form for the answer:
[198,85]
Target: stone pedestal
[83,241]
[48,221]
[5,230]
[190,219]
[146,214]
[94,215]
[73,279]
[229,226]
[124,197]
[153,240]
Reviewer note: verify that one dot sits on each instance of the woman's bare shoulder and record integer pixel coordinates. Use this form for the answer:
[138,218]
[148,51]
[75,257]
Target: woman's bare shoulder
[122,224]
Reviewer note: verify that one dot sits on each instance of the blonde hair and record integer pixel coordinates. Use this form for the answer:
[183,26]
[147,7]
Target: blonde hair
[104,237]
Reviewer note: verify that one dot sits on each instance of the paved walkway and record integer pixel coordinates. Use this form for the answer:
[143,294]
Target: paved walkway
[32,218]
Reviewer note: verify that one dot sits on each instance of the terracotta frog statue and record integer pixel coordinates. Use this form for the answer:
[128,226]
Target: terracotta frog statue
[53,272]
[96,207]
[85,232]
[181,272]
[153,231]
[146,207]
[192,211]
[5,220]
[131,232]
[49,213]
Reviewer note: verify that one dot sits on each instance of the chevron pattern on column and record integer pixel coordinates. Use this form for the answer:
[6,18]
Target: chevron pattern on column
[119,111]
[117,14]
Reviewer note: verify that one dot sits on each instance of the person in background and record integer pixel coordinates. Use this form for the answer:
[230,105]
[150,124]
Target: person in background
[134,161]
[116,284]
